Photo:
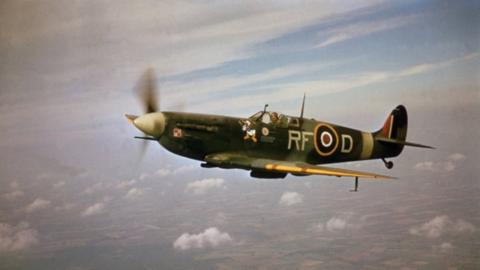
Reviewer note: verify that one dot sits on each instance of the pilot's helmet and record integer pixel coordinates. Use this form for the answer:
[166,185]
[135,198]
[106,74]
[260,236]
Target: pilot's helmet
[274,116]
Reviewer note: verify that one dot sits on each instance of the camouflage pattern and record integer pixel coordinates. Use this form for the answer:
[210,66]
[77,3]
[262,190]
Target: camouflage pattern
[198,135]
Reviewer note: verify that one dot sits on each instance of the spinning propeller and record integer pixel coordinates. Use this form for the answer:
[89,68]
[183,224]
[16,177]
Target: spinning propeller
[152,123]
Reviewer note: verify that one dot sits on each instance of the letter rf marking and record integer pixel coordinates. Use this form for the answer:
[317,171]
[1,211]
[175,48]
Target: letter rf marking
[299,138]
[294,135]
[305,138]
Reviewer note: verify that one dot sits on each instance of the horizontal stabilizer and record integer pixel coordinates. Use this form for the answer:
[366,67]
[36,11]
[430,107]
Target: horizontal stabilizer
[400,142]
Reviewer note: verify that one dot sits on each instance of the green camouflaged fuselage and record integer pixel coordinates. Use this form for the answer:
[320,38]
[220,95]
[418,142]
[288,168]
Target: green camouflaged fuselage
[198,135]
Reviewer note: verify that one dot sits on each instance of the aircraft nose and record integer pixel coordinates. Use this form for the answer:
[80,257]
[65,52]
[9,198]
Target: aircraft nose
[152,124]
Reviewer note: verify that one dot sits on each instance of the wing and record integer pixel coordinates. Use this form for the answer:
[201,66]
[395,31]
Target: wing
[235,160]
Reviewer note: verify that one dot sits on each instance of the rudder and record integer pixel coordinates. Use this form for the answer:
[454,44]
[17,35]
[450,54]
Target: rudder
[395,127]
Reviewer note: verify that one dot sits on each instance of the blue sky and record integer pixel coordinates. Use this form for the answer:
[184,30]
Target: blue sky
[70,176]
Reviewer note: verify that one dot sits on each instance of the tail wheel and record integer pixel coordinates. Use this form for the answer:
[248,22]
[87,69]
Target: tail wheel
[388,164]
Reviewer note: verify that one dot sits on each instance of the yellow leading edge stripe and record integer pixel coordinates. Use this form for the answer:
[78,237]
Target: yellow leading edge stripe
[284,168]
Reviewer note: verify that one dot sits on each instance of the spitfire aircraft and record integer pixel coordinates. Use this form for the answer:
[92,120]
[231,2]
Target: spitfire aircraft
[270,144]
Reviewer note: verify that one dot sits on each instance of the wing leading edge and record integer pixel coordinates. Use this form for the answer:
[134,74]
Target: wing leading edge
[230,160]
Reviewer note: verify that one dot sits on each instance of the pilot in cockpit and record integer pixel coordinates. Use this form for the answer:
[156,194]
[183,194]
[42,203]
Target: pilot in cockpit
[274,117]
[271,118]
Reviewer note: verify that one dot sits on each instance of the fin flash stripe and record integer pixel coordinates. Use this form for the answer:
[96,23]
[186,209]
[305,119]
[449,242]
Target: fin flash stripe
[387,128]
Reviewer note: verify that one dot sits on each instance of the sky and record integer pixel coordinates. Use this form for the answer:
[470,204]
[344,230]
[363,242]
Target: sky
[76,194]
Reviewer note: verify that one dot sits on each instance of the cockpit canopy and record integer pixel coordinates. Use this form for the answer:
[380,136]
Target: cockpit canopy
[273,118]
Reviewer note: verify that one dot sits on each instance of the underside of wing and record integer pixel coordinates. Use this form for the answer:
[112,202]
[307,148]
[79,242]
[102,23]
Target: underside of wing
[233,160]
[307,169]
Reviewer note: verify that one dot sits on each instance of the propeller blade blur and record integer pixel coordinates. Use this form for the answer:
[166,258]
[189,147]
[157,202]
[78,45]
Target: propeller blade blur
[148,92]
[152,123]
[143,150]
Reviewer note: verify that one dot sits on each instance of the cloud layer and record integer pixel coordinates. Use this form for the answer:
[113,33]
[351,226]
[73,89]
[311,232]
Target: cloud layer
[134,193]
[17,238]
[290,198]
[334,224]
[441,225]
[355,30]
[202,186]
[94,209]
[37,204]
[211,237]
[448,165]
[77,66]
[13,195]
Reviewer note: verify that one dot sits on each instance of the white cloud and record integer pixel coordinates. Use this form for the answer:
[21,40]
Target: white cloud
[441,225]
[316,88]
[211,237]
[37,204]
[59,184]
[167,171]
[448,165]
[94,209]
[183,169]
[17,238]
[220,218]
[202,186]
[162,172]
[14,185]
[427,67]
[445,246]
[320,227]
[144,176]
[355,30]
[13,195]
[463,226]
[201,35]
[432,229]
[425,166]
[95,188]
[65,207]
[417,69]
[439,166]
[456,157]
[134,193]
[248,25]
[289,198]
[336,224]
[207,86]
[125,184]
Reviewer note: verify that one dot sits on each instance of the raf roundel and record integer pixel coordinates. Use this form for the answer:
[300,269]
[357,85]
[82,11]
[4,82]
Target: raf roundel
[326,140]
[265,131]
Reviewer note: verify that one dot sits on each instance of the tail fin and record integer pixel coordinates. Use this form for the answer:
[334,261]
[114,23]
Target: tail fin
[395,127]
[394,130]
